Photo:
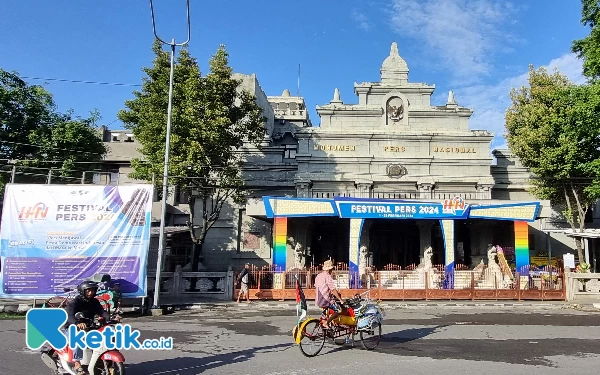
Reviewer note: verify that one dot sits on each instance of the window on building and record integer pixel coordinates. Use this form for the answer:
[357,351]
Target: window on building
[129,138]
[290,152]
[181,195]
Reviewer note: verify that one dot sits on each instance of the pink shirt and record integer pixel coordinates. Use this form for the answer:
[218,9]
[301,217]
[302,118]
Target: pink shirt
[324,284]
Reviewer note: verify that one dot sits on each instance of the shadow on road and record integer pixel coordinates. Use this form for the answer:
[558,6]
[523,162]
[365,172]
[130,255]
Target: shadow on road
[407,335]
[193,366]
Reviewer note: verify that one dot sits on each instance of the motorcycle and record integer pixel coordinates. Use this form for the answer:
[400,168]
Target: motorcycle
[101,361]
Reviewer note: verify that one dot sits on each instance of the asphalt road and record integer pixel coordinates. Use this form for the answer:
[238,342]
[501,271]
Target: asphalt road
[249,339]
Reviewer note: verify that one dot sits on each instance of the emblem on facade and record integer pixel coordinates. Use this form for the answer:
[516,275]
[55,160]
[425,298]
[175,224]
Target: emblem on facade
[395,170]
[395,109]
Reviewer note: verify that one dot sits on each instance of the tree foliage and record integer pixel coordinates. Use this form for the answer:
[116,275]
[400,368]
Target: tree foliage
[588,48]
[553,127]
[212,118]
[36,138]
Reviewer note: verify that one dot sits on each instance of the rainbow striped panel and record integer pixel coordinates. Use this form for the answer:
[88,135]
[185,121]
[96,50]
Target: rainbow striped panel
[280,242]
[521,245]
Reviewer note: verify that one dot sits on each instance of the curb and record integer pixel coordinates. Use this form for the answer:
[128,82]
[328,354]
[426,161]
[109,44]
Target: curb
[24,307]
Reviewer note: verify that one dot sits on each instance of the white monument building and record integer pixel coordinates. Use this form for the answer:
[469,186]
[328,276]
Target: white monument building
[381,180]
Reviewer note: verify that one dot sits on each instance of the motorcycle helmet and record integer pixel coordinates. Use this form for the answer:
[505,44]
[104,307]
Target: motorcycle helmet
[81,288]
[105,278]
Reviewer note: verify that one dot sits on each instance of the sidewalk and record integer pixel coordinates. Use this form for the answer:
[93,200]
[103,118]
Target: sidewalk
[21,306]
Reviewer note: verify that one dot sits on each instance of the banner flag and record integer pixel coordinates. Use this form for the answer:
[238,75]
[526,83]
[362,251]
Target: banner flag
[55,236]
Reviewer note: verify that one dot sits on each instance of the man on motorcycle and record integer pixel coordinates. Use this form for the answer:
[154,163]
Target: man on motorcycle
[89,306]
[325,287]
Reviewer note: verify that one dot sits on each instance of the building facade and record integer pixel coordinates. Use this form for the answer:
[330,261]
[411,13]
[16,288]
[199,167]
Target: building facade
[393,146]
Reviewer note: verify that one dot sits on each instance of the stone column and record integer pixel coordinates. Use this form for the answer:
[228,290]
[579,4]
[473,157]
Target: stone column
[425,190]
[363,189]
[424,236]
[303,188]
[484,190]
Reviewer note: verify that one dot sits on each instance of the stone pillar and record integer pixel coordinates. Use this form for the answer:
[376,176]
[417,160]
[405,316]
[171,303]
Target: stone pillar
[484,190]
[303,188]
[448,235]
[363,189]
[424,236]
[425,190]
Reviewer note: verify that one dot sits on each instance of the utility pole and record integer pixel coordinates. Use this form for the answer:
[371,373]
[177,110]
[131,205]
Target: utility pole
[161,239]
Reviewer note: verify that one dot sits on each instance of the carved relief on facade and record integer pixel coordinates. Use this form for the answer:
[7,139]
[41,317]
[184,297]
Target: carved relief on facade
[395,170]
[251,240]
[395,109]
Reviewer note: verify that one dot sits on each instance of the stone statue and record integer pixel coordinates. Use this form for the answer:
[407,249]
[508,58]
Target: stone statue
[363,259]
[493,271]
[298,256]
[427,264]
[492,263]
[427,267]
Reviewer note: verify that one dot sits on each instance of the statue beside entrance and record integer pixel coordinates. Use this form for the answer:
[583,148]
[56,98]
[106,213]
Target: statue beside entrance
[299,256]
[497,274]
[426,267]
[363,261]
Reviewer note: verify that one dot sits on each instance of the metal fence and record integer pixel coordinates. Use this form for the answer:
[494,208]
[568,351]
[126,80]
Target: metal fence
[390,284]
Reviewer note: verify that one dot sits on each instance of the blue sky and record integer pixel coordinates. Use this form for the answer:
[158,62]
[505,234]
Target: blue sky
[477,48]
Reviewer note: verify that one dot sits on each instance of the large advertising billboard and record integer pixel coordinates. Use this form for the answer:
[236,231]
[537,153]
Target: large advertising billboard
[55,236]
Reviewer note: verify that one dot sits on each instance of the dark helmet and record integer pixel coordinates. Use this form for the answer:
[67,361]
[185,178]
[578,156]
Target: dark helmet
[81,288]
[105,278]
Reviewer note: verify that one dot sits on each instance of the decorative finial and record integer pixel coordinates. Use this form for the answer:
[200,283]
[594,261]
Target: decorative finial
[286,92]
[336,96]
[394,49]
[451,98]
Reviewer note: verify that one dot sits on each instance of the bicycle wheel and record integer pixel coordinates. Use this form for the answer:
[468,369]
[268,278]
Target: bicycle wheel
[313,339]
[371,338]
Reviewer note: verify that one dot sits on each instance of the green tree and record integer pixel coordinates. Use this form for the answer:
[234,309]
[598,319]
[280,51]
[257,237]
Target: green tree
[553,126]
[35,137]
[212,119]
[588,48]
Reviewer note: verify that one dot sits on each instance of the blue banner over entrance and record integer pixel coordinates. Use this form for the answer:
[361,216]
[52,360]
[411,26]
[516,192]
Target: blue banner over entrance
[454,208]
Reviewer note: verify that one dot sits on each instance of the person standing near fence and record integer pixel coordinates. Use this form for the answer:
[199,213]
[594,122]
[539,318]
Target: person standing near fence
[244,279]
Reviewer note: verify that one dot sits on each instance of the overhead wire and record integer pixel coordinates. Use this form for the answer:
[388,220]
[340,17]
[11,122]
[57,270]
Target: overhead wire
[80,81]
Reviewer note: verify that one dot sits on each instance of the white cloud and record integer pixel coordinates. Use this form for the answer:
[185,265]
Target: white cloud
[361,20]
[491,101]
[462,34]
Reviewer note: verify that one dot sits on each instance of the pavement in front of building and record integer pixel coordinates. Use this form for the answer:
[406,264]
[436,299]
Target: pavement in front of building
[254,339]
[21,306]
[12,305]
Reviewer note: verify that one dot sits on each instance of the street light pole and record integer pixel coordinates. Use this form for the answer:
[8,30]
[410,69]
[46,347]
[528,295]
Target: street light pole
[161,239]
